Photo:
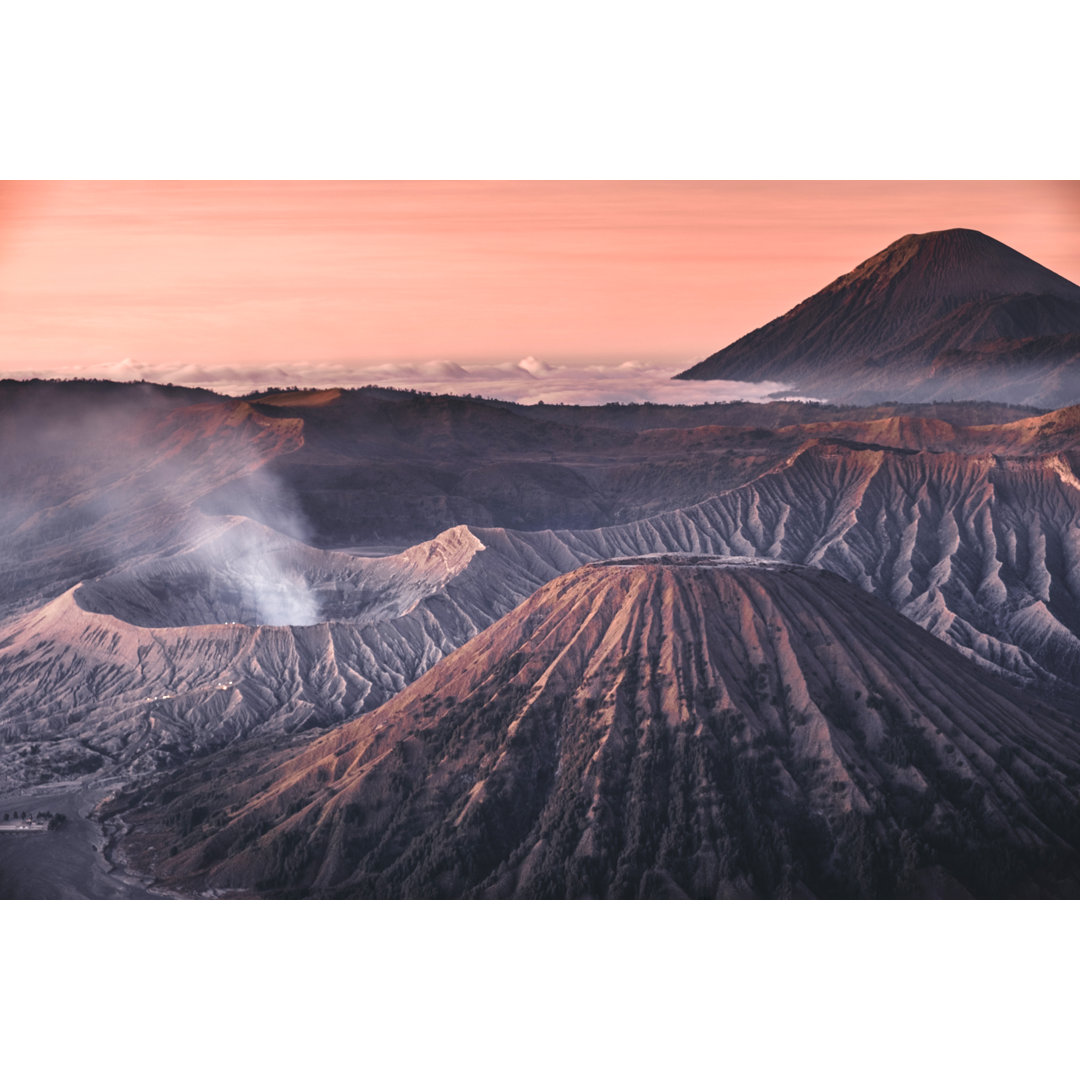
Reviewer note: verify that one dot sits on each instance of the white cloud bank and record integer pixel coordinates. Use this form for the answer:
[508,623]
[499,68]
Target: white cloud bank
[525,381]
[531,380]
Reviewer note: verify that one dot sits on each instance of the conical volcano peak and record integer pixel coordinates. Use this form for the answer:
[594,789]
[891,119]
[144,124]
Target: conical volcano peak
[953,314]
[955,264]
[967,241]
[958,243]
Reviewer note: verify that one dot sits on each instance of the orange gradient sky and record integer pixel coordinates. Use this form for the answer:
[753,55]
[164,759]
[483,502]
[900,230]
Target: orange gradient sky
[179,280]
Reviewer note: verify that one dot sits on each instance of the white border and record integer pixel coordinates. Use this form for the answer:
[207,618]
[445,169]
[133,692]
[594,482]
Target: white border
[560,90]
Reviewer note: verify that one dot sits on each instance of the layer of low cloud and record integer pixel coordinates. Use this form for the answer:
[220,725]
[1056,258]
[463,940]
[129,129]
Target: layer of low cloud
[525,381]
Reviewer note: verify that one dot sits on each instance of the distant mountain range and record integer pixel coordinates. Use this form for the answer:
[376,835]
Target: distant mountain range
[934,316]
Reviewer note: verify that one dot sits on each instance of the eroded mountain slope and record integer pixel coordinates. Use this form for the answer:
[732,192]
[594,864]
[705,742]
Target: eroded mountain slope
[250,631]
[676,726]
[205,627]
[982,551]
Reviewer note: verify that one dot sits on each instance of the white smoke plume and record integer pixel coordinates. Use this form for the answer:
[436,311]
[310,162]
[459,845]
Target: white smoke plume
[261,562]
[99,480]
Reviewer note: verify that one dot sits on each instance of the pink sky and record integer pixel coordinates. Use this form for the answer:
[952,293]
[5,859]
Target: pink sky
[183,280]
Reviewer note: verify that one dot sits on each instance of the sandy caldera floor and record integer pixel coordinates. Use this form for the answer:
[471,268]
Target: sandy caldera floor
[68,863]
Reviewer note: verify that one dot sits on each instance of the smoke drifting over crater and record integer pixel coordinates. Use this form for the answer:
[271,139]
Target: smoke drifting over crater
[281,601]
[259,564]
[95,476]
[245,574]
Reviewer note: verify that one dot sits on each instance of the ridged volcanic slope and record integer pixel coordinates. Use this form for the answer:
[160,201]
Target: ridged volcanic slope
[981,550]
[653,728]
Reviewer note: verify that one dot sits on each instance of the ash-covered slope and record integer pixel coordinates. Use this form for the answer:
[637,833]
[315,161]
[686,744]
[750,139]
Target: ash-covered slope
[163,595]
[980,548]
[249,632]
[677,726]
[951,314]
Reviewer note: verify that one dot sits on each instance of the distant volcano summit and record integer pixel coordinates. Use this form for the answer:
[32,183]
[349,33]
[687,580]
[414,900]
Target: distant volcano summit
[941,315]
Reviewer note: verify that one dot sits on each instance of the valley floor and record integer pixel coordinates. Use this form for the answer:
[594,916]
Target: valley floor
[70,863]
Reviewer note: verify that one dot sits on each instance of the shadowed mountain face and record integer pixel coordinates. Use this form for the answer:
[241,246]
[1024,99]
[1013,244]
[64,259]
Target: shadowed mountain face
[675,726]
[951,314]
[381,467]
